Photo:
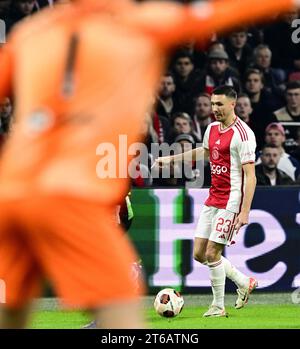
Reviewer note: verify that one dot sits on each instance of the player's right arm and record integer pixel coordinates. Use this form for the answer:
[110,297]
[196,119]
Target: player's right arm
[173,23]
[190,155]
[199,153]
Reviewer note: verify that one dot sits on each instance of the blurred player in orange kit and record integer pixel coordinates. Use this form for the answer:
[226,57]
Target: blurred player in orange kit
[75,71]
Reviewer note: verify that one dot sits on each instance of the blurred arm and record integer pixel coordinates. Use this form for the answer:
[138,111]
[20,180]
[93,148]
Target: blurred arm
[174,23]
[6,70]
[250,179]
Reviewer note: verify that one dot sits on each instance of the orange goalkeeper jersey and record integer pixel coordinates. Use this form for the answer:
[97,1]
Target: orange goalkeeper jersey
[83,74]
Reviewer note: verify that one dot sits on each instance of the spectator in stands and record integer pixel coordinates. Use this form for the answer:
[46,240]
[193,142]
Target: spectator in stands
[238,50]
[182,123]
[278,36]
[243,108]
[180,173]
[186,81]
[165,103]
[5,115]
[156,129]
[140,174]
[290,114]
[274,78]
[198,55]
[44,3]
[19,9]
[218,73]
[275,135]
[186,143]
[255,35]
[267,173]
[5,119]
[4,9]
[202,115]
[263,103]
[296,152]
[216,45]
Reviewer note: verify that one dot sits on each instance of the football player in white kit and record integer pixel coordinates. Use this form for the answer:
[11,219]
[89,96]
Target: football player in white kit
[229,144]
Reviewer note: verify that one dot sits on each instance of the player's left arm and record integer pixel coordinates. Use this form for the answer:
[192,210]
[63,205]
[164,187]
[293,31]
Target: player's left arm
[250,184]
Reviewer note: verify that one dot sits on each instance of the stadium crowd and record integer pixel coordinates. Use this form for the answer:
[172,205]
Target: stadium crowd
[262,63]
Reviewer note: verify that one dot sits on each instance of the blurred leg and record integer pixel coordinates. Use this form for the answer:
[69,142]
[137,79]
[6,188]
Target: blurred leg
[20,274]
[94,257]
[14,318]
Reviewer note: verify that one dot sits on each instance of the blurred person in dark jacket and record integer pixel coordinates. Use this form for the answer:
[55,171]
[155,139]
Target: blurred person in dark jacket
[267,172]
[166,104]
[203,115]
[263,103]
[238,50]
[218,72]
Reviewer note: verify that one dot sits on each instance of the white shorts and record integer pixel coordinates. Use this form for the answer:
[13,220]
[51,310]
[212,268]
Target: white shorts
[216,224]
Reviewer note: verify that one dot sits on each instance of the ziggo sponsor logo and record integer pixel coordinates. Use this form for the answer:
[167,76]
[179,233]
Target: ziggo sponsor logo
[218,169]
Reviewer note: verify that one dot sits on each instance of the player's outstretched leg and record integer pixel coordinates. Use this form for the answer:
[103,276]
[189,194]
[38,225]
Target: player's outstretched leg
[243,293]
[244,283]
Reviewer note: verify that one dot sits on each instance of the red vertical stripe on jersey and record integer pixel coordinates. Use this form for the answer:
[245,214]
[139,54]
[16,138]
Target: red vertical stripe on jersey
[242,134]
[243,130]
[243,127]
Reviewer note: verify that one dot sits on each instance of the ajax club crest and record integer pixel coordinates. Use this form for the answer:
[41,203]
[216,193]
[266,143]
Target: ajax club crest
[215,154]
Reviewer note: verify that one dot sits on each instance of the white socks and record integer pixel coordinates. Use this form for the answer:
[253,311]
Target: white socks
[218,273]
[240,279]
[217,277]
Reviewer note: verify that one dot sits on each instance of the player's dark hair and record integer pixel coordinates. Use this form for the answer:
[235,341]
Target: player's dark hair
[228,91]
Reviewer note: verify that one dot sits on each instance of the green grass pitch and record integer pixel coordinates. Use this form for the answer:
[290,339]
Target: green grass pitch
[265,313]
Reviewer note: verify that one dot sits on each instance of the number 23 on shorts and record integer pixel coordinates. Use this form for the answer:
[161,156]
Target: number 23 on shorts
[223,225]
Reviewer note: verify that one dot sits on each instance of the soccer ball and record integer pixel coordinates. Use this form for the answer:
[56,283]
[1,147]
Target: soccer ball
[168,302]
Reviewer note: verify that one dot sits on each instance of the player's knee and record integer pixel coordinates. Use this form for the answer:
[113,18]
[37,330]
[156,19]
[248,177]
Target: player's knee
[212,255]
[199,257]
